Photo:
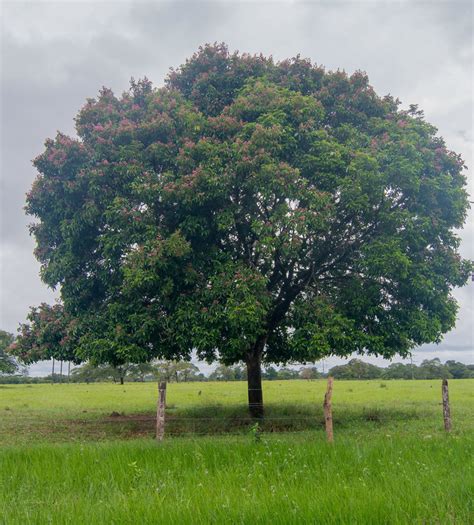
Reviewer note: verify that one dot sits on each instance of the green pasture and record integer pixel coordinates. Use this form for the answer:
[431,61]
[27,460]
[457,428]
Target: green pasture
[101,411]
[65,459]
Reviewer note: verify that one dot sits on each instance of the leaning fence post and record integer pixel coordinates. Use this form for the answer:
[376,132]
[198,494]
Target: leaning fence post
[328,410]
[446,409]
[160,411]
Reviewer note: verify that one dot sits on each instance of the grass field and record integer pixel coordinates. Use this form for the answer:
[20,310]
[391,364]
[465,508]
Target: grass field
[65,458]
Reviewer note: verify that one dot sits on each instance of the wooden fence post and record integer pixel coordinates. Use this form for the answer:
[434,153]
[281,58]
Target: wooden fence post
[328,410]
[160,412]
[446,409]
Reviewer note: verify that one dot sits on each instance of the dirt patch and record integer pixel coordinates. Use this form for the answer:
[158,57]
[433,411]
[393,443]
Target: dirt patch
[115,417]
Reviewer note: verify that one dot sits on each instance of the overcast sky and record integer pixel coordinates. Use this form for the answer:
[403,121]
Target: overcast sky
[55,55]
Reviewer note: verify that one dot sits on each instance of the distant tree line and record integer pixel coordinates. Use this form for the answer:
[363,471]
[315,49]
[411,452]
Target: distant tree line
[183,371]
[170,371]
[239,373]
[356,369]
[428,369]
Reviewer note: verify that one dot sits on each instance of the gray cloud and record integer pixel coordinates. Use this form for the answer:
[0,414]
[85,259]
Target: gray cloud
[55,55]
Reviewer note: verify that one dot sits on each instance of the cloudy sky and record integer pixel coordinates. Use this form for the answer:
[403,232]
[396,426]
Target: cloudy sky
[56,54]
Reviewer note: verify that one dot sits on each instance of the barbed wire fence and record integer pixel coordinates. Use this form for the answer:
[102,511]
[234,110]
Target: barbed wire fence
[199,414]
[205,419]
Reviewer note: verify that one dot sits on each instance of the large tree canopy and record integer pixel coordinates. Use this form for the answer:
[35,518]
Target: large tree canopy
[253,211]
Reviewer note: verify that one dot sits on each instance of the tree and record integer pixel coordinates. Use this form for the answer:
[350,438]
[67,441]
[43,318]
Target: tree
[270,373]
[356,369]
[287,373]
[167,371]
[399,371]
[49,333]
[178,371]
[142,371]
[252,211]
[310,372]
[90,373]
[227,373]
[458,370]
[7,363]
[187,371]
[433,369]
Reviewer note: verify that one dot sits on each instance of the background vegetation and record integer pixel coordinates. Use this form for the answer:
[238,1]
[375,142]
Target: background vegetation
[183,371]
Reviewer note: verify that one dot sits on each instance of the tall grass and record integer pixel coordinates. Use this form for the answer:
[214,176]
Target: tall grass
[281,479]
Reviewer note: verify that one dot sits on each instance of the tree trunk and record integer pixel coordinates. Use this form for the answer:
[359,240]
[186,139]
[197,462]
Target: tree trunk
[121,380]
[254,379]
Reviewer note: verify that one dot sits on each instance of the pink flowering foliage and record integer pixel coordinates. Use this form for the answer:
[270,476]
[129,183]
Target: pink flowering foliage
[49,333]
